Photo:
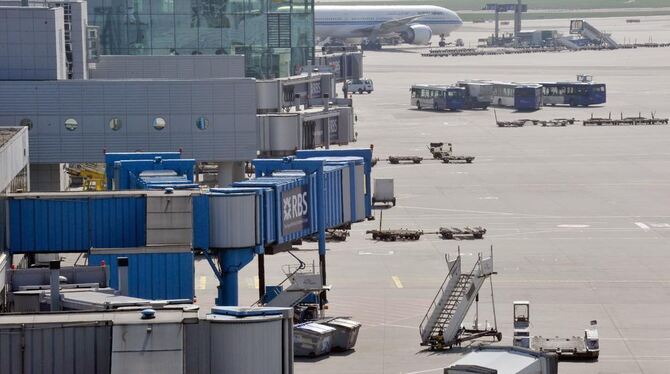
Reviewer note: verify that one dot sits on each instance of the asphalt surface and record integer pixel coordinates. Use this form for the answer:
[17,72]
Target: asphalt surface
[578,217]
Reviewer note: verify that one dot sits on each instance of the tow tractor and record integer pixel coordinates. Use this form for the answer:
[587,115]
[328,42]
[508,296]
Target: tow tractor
[446,153]
[575,347]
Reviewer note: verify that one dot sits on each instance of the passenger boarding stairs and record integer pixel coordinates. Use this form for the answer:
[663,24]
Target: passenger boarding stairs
[302,285]
[442,325]
[591,33]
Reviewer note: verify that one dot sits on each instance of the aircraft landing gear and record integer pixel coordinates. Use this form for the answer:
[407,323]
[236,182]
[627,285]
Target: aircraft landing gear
[371,45]
[443,42]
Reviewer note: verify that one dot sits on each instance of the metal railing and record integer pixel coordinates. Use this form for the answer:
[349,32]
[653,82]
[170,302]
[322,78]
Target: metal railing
[438,296]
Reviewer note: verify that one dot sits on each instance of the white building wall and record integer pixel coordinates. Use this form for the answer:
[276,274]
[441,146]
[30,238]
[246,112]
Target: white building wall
[32,43]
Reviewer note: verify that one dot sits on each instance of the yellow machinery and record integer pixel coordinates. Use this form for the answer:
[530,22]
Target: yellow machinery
[92,179]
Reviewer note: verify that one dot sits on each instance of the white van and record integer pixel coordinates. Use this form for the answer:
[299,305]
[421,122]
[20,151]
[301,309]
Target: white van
[359,85]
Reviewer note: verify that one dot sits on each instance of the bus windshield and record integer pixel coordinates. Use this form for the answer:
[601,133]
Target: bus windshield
[525,92]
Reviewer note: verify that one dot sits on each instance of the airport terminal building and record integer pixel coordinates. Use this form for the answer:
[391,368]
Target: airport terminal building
[87,79]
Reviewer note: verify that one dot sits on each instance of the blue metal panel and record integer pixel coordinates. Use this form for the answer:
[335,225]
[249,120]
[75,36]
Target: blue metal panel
[118,222]
[58,225]
[200,222]
[335,154]
[154,276]
[333,195]
[279,186]
[76,224]
[111,158]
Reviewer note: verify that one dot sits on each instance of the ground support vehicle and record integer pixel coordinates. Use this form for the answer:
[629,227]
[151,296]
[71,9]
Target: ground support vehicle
[442,327]
[446,154]
[466,232]
[574,347]
[393,235]
[359,86]
[398,159]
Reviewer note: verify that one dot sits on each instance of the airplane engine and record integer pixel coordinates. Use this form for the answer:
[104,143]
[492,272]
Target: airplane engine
[417,34]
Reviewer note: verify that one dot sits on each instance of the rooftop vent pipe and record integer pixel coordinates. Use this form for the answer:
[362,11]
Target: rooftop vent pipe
[54,267]
[122,263]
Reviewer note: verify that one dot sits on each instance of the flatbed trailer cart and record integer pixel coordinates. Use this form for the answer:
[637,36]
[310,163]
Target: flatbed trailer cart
[332,235]
[466,232]
[625,121]
[558,122]
[451,158]
[398,159]
[393,235]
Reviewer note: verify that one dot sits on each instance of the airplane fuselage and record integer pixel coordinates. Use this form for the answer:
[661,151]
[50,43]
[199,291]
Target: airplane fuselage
[354,21]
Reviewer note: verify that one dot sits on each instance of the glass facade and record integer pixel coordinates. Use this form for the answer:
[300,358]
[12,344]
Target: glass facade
[276,36]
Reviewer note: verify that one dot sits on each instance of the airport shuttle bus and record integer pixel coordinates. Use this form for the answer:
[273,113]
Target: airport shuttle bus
[520,96]
[425,96]
[574,93]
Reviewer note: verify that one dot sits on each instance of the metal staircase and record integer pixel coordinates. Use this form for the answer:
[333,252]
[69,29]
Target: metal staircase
[442,325]
[302,284]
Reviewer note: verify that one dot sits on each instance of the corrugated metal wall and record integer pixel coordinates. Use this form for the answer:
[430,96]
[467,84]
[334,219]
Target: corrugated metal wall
[76,225]
[152,275]
[334,195]
[56,349]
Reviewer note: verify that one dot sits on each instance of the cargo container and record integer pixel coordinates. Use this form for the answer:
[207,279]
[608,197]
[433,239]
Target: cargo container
[155,273]
[73,222]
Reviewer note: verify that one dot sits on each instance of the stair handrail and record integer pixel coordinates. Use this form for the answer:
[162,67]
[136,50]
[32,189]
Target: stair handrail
[470,276]
[301,265]
[440,292]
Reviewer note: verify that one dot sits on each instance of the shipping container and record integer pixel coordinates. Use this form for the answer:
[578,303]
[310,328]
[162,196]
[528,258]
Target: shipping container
[295,212]
[154,273]
[75,223]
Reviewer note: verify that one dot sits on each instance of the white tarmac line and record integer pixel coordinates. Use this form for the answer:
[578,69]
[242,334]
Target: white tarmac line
[642,226]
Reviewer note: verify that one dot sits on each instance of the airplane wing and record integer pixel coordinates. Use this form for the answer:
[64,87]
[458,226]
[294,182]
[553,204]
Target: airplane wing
[394,25]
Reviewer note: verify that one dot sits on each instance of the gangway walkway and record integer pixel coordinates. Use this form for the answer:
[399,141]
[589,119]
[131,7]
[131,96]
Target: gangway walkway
[442,326]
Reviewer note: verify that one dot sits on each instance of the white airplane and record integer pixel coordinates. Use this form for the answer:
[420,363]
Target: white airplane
[414,24]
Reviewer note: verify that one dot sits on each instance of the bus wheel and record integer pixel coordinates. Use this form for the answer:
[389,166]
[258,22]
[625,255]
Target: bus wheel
[360,91]
[499,102]
[418,105]
[572,103]
[435,106]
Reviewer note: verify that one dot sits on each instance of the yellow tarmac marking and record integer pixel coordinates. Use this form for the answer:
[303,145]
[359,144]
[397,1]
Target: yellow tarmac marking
[256,281]
[397,282]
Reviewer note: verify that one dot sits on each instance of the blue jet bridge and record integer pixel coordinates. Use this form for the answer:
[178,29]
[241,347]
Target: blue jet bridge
[288,200]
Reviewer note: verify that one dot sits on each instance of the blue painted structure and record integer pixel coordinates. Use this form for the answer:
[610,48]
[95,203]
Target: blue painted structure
[112,157]
[156,173]
[153,273]
[77,222]
[334,154]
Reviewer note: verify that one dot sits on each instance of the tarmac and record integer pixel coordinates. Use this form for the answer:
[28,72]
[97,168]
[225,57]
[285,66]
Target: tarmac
[578,217]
